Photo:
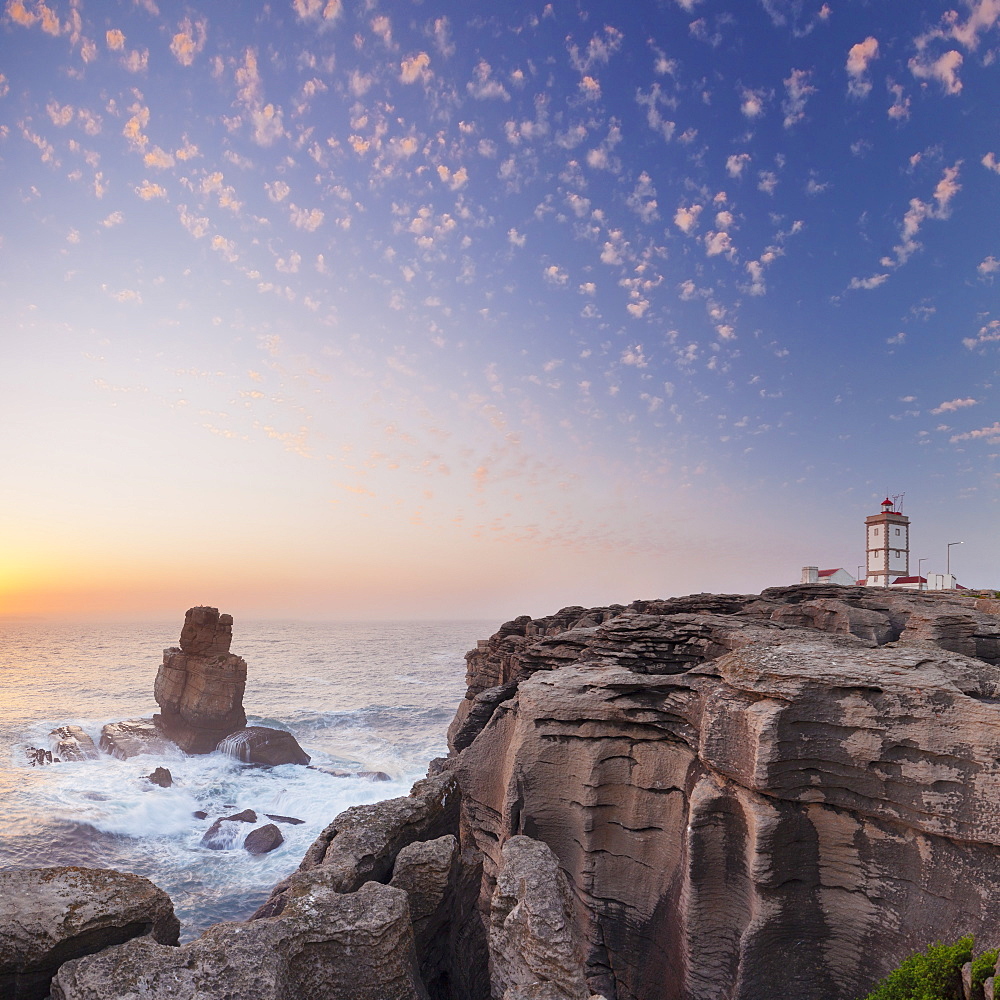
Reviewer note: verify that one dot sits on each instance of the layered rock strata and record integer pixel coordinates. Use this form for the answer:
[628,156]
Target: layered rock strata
[718,796]
[199,686]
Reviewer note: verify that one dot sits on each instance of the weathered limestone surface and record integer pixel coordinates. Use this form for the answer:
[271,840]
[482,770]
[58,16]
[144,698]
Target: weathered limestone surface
[199,686]
[326,946]
[51,915]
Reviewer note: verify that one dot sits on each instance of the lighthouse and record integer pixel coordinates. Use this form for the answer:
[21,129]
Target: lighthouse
[888,545]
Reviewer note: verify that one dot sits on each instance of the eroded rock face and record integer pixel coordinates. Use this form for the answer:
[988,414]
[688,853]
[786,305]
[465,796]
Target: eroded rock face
[780,794]
[326,946]
[199,686]
[51,915]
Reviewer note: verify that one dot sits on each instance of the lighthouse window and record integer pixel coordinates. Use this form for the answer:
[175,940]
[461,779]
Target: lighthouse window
[876,532]
[897,531]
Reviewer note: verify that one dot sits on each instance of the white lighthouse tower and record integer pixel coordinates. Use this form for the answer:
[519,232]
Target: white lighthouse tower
[888,545]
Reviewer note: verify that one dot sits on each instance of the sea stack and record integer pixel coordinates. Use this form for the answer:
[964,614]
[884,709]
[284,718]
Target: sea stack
[199,686]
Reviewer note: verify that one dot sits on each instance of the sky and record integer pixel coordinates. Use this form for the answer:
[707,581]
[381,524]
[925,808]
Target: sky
[412,308]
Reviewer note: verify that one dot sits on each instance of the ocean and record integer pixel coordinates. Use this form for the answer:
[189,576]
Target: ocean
[358,696]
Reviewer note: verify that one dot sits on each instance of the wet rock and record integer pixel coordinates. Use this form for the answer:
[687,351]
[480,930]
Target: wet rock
[374,775]
[263,839]
[133,737]
[326,946]
[72,743]
[161,776]
[51,915]
[199,686]
[39,756]
[200,814]
[222,834]
[263,746]
[284,819]
[361,843]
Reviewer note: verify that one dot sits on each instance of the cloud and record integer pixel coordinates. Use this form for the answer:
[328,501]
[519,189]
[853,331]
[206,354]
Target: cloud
[954,404]
[309,220]
[990,333]
[515,238]
[158,158]
[752,102]
[483,86]
[277,191]
[868,283]
[189,40]
[899,110]
[115,40]
[919,211]
[686,218]
[654,118]
[114,219]
[859,58]
[944,69]
[736,163]
[989,266]
[634,356]
[990,162]
[642,200]
[147,191]
[316,10]
[555,275]
[719,243]
[600,49]
[992,435]
[416,68]
[767,181]
[442,36]
[798,91]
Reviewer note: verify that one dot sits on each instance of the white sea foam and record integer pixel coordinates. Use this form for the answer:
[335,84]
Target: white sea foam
[337,687]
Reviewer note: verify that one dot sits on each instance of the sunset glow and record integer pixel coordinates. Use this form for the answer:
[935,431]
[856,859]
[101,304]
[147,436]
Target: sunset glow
[392,309]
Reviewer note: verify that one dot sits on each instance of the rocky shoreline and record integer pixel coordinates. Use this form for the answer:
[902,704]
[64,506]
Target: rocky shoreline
[736,796]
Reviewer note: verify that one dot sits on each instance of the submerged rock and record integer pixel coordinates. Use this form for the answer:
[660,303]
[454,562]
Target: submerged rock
[285,819]
[72,743]
[264,746]
[199,686]
[51,915]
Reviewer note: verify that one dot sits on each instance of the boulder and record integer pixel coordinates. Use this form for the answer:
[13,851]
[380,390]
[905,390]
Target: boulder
[199,686]
[362,842]
[133,737]
[263,746]
[325,946]
[72,743]
[51,915]
[161,776]
[285,819]
[222,835]
[263,839]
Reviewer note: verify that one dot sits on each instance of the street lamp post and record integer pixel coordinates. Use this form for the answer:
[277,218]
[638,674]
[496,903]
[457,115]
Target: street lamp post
[920,575]
[948,559]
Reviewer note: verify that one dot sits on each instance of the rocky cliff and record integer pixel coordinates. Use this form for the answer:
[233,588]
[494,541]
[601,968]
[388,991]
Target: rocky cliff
[718,796]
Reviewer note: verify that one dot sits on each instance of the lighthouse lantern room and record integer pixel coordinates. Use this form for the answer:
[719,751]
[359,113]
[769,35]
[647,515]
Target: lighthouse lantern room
[888,545]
